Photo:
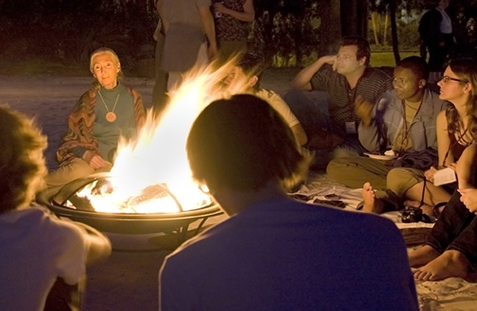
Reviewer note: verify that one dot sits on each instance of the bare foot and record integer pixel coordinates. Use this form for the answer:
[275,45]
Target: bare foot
[422,255]
[451,263]
[371,203]
[426,209]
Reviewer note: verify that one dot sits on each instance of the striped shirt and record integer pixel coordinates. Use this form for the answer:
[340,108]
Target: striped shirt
[371,85]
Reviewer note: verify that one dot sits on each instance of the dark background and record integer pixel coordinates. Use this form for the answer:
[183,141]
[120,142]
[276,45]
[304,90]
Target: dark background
[59,35]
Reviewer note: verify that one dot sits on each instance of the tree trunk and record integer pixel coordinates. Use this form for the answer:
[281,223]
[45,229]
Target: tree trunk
[385,29]
[330,29]
[373,20]
[392,5]
[354,18]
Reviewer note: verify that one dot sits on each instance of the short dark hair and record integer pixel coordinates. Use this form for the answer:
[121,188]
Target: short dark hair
[417,65]
[364,50]
[22,165]
[242,143]
[252,65]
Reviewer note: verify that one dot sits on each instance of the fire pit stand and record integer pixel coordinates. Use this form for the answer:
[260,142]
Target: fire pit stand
[124,223]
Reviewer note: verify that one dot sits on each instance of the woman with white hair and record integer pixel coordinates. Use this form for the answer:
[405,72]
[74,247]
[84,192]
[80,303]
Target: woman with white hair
[103,113]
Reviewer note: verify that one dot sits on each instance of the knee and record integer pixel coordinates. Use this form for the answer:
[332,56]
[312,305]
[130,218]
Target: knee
[399,180]
[344,153]
[337,168]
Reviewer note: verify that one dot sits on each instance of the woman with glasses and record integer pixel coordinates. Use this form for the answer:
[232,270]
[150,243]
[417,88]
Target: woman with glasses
[456,128]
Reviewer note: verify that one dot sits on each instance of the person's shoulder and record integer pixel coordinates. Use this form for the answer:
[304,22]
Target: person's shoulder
[39,218]
[266,93]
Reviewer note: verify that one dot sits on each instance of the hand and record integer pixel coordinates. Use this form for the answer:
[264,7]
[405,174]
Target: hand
[452,166]
[212,52]
[97,162]
[429,174]
[469,198]
[329,59]
[363,110]
[219,7]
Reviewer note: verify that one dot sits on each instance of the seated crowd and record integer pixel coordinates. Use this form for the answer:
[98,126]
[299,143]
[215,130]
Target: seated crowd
[368,129]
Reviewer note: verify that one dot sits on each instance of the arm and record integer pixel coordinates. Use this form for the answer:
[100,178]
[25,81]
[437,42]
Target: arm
[165,23]
[300,134]
[469,198]
[209,26]
[465,168]
[364,110]
[99,244]
[303,78]
[368,134]
[443,140]
[248,14]
[443,143]
[79,132]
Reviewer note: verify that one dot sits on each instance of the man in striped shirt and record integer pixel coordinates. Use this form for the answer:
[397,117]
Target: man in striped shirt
[347,79]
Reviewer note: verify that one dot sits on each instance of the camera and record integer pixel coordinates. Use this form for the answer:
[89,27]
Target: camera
[411,214]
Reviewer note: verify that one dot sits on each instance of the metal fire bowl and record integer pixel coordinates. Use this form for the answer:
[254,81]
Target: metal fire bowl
[126,223]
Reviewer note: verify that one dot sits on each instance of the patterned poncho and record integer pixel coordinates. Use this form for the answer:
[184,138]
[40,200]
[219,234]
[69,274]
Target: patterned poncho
[81,121]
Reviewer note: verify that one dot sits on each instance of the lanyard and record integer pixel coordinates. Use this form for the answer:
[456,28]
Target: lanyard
[406,129]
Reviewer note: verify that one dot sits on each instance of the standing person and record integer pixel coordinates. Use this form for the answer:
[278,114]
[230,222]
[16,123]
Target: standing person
[347,78]
[232,25]
[403,119]
[455,131]
[276,253]
[435,30]
[103,113]
[185,22]
[159,97]
[248,72]
[37,247]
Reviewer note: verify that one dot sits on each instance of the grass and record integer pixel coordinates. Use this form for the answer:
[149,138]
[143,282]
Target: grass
[37,66]
[386,59]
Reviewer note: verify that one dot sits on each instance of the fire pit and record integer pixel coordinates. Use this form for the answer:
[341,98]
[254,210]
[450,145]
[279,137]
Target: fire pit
[149,171]
[65,202]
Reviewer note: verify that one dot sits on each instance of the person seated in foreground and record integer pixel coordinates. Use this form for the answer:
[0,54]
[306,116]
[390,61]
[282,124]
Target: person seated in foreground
[274,252]
[451,247]
[331,123]
[248,72]
[38,249]
[402,120]
[103,113]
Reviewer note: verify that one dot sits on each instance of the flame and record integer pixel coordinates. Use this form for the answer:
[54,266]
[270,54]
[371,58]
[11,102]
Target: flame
[158,154]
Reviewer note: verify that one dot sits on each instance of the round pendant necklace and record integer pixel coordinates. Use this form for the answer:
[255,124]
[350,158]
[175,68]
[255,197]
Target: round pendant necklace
[110,115]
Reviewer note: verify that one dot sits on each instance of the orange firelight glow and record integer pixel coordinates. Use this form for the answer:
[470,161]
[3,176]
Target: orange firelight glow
[158,155]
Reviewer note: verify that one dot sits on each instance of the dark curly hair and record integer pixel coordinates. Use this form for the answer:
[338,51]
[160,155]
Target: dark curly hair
[364,50]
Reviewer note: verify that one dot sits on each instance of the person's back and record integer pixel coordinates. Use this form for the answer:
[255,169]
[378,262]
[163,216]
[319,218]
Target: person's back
[37,248]
[281,254]
[275,253]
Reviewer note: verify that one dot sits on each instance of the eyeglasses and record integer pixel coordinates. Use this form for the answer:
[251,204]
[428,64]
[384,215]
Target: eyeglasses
[446,79]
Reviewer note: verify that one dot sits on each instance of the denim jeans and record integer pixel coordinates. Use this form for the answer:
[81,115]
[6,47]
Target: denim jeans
[456,229]
[311,109]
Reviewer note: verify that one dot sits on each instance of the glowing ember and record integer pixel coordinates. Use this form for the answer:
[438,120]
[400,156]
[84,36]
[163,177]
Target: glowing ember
[157,157]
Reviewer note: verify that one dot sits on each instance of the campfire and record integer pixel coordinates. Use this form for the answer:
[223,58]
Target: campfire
[151,178]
